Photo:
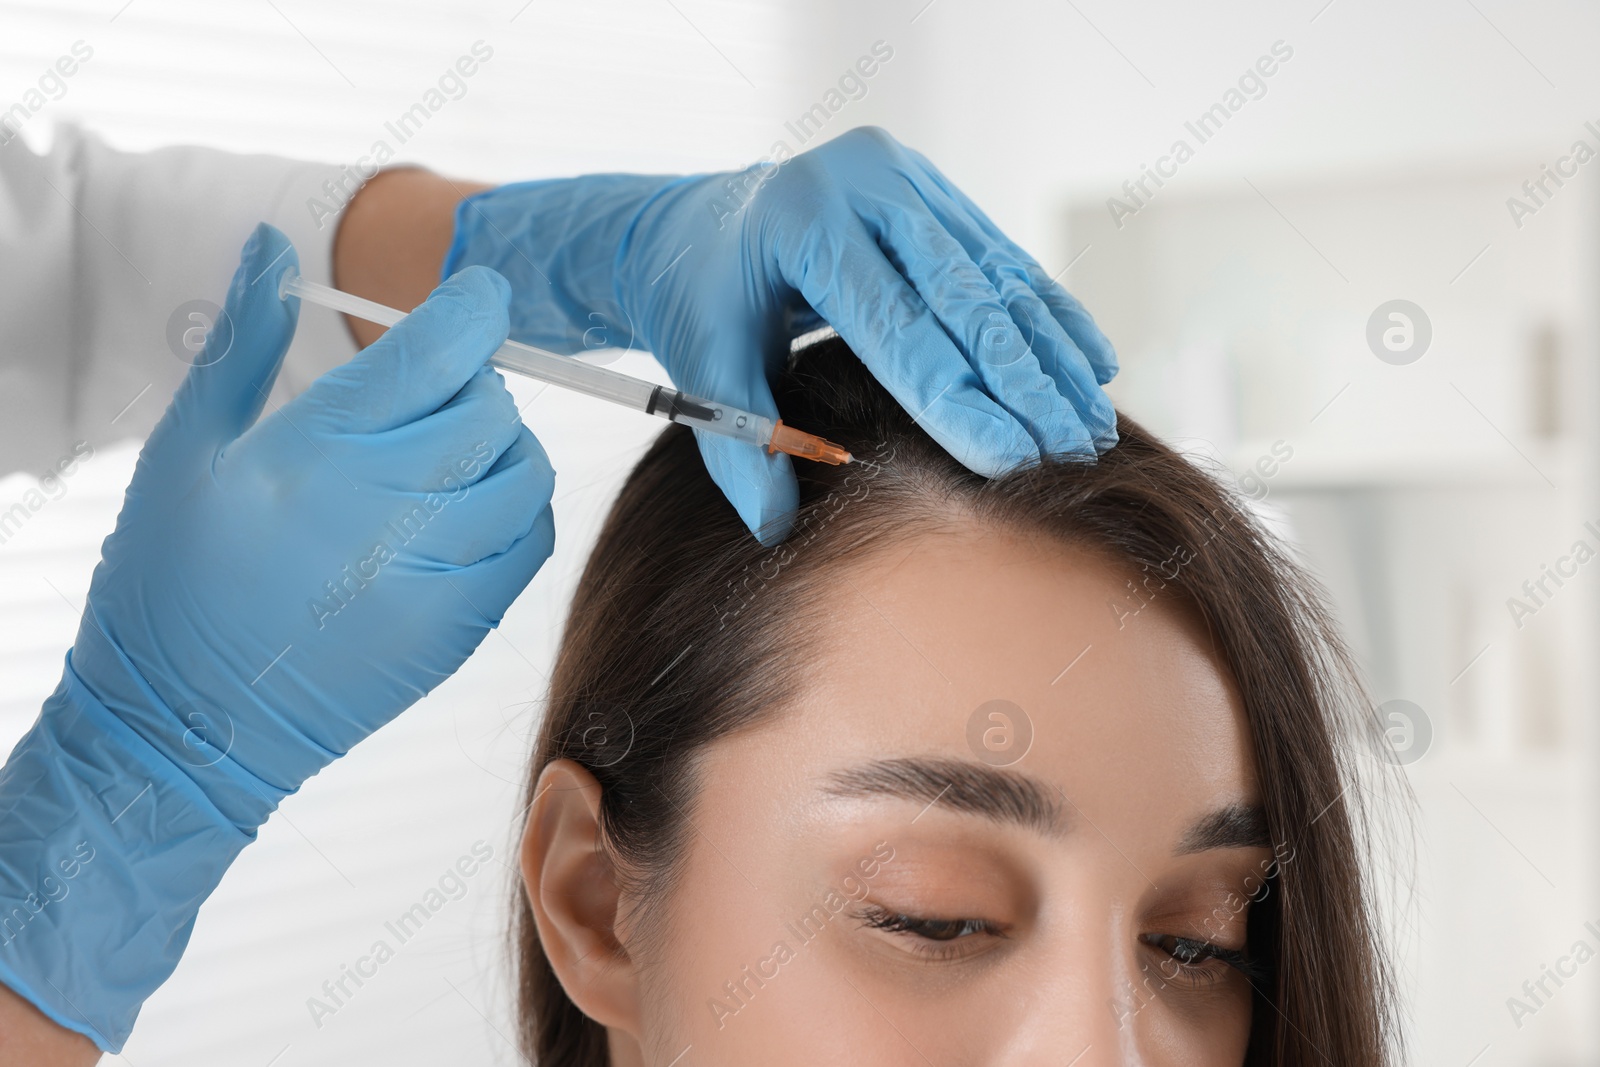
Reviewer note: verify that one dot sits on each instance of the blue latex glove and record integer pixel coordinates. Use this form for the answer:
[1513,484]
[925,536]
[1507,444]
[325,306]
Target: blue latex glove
[714,274]
[275,590]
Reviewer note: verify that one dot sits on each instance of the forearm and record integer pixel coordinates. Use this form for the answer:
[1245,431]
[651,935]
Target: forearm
[393,239]
[28,1039]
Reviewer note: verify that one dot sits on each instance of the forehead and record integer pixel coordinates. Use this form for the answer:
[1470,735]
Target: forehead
[985,644]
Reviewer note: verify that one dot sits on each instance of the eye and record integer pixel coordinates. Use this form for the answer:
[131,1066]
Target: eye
[930,937]
[1189,961]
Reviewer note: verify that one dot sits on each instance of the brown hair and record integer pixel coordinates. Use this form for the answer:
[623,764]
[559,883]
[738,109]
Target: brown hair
[674,639]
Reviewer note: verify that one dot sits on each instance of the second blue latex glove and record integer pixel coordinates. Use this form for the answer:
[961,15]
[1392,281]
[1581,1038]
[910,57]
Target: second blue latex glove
[276,589]
[715,273]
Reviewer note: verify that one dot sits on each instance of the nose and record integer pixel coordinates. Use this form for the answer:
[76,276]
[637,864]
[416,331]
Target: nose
[1085,1012]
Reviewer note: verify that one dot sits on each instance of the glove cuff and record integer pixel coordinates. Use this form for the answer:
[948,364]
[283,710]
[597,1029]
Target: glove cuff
[106,852]
[201,740]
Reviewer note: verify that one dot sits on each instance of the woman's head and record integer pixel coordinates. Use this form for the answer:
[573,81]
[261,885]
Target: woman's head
[966,771]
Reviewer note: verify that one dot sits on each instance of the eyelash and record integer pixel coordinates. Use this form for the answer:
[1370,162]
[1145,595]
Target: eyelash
[933,939]
[1185,951]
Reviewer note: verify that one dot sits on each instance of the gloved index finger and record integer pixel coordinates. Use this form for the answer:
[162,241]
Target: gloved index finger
[1067,309]
[899,337]
[420,362]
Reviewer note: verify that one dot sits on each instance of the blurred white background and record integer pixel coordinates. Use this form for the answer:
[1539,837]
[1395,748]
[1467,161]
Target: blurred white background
[1375,165]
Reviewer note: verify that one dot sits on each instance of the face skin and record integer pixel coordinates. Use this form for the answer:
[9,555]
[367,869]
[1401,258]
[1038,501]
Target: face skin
[878,894]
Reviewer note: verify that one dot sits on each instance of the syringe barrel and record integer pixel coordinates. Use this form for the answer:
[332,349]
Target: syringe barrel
[710,415]
[662,401]
[659,400]
[573,374]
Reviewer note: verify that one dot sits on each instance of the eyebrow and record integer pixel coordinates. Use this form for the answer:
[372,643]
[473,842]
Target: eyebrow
[1232,826]
[1015,798]
[964,786]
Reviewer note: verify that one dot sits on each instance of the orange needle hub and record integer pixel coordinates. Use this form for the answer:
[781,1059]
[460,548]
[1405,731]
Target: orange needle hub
[806,445]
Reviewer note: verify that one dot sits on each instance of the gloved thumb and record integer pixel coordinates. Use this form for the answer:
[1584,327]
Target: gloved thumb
[760,485]
[230,377]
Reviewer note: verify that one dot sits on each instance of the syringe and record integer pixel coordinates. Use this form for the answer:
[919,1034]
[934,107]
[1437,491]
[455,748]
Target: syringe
[569,373]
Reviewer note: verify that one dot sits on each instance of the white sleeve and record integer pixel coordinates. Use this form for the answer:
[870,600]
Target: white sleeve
[100,249]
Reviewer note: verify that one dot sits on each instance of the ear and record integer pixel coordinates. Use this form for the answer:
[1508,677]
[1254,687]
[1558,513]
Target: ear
[572,887]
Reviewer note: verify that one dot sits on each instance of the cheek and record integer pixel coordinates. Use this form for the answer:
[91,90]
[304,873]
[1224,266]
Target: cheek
[1207,1031]
[746,975]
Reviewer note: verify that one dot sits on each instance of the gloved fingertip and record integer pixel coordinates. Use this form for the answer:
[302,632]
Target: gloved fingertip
[761,487]
[268,255]
[493,279]
[1080,327]
[1078,436]
[479,288]
[1071,433]
[769,511]
[266,240]
[1016,449]
[1104,363]
[1094,344]
[772,527]
[542,536]
[468,316]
